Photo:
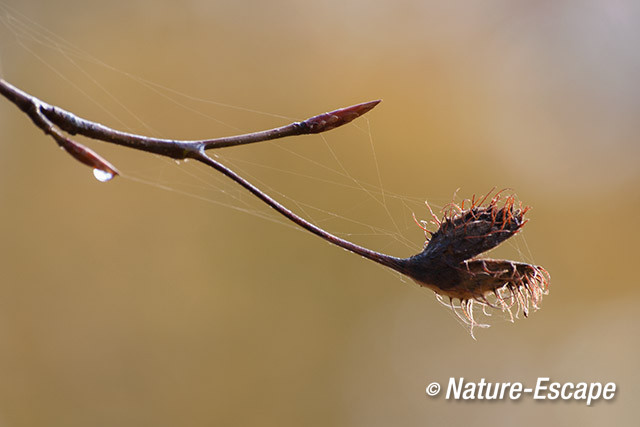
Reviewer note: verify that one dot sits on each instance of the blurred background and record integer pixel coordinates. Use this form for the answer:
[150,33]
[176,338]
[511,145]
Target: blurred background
[169,297]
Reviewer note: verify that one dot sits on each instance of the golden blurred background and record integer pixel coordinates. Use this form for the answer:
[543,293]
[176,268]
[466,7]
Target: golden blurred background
[170,297]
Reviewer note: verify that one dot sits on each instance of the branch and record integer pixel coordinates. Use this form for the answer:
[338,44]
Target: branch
[448,264]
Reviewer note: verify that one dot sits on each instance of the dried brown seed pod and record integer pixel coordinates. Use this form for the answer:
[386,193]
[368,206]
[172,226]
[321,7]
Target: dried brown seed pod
[448,264]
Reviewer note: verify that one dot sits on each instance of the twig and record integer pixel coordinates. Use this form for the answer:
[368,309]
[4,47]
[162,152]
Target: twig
[45,116]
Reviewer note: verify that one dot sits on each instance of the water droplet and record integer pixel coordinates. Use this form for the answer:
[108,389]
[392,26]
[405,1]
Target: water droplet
[103,176]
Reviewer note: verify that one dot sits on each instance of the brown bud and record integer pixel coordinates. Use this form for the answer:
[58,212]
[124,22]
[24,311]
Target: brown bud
[333,119]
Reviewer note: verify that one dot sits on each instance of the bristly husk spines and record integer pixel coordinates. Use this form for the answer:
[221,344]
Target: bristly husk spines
[448,263]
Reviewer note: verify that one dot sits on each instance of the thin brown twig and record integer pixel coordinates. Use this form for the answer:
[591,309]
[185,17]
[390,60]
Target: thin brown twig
[45,116]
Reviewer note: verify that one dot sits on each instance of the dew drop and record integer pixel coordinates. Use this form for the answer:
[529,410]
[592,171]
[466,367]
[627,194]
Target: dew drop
[103,176]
